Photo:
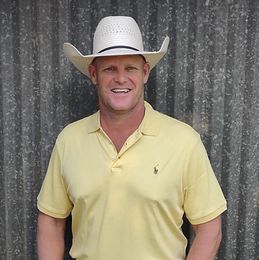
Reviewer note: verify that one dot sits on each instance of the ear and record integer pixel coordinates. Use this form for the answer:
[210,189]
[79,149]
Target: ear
[92,73]
[146,71]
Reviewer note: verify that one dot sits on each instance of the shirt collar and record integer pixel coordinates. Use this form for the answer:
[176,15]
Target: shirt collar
[94,123]
[149,126]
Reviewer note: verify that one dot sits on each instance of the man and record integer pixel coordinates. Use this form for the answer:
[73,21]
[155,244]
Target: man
[127,173]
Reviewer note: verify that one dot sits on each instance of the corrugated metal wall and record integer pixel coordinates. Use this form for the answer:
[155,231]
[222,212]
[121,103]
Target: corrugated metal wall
[209,79]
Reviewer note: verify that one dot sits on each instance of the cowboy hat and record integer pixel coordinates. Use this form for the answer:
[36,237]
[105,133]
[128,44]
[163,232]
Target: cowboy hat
[115,35]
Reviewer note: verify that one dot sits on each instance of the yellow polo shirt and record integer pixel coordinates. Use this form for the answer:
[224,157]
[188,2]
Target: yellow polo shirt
[129,205]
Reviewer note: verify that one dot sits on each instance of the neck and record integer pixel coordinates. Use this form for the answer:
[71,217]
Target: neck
[119,126]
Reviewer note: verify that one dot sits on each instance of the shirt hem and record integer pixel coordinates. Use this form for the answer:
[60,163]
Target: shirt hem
[49,212]
[210,216]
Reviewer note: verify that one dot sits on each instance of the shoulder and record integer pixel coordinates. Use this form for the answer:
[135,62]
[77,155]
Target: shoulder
[177,136]
[169,131]
[79,129]
[174,127]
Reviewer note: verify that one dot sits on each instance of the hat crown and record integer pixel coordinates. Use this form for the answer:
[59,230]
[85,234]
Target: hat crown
[117,31]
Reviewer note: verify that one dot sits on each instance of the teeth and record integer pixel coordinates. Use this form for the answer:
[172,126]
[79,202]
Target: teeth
[120,90]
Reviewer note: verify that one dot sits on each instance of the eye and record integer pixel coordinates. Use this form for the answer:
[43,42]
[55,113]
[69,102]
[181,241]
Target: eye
[109,69]
[131,68]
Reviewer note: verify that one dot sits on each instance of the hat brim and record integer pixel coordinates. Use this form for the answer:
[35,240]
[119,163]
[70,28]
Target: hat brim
[81,62]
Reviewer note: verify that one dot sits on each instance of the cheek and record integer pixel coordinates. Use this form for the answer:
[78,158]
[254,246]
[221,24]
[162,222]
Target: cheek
[104,80]
[140,80]
[135,78]
[103,84]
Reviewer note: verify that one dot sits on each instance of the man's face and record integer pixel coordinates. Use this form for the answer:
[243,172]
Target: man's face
[120,82]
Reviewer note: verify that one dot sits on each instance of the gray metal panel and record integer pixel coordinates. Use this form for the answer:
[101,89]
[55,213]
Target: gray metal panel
[209,79]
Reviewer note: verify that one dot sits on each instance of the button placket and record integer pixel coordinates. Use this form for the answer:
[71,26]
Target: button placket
[130,141]
[116,166]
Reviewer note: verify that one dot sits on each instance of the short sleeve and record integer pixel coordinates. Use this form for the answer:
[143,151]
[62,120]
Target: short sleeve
[53,199]
[204,199]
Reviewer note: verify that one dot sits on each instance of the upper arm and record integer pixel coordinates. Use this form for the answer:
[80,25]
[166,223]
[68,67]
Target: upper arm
[213,226]
[50,237]
[51,223]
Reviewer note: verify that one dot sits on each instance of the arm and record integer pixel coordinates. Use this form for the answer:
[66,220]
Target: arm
[207,240]
[50,237]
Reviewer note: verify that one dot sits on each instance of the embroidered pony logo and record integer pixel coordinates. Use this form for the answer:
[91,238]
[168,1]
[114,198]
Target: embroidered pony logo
[155,169]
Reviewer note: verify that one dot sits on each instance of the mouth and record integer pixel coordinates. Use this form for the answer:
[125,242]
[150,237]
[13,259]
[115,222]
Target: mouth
[121,90]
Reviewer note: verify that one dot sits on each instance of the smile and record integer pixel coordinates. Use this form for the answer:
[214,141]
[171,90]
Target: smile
[121,90]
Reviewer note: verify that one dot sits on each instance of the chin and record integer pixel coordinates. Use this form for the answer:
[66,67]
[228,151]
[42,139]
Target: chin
[122,105]
[121,108]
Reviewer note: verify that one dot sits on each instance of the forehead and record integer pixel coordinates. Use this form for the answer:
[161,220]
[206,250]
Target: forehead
[123,59]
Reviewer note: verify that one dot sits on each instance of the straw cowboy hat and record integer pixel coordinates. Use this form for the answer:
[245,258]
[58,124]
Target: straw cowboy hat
[115,35]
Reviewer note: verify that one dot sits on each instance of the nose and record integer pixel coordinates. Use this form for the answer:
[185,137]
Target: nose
[120,77]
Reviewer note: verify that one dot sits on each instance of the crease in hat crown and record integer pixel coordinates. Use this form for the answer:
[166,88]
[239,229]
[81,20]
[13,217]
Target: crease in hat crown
[117,31]
[115,35]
